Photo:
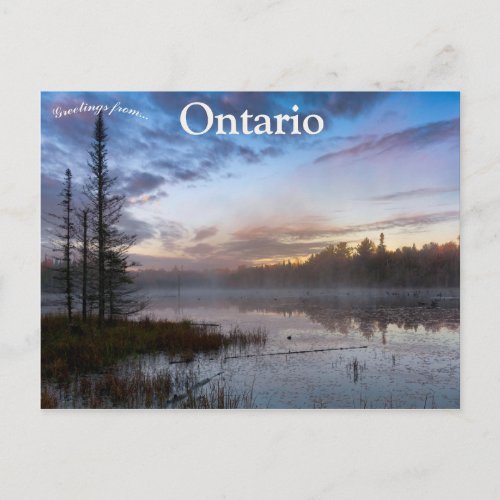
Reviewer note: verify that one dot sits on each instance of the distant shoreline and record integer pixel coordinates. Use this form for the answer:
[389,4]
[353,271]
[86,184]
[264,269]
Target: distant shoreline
[414,294]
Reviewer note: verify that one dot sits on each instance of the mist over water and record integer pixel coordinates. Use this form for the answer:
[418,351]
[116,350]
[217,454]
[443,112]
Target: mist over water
[412,337]
[411,359]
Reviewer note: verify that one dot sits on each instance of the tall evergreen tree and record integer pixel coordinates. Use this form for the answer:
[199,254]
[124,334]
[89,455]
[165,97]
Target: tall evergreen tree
[83,236]
[381,245]
[110,245]
[64,244]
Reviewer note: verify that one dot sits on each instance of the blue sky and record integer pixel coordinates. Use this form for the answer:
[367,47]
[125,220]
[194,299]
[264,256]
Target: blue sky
[385,162]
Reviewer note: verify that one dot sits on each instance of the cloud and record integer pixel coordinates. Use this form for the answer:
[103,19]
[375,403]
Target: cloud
[414,221]
[271,151]
[139,183]
[414,193]
[170,233]
[205,157]
[54,155]
[267,248]
[301,232]
[132,226]
[248,154]
[255,102]
[204,233]
[158,145]
[200,250]
[415,137]
[188,175]
[148,155]
[345,104]
[51,186]
[351,104]
[280,242]
[177,173]
[147,198]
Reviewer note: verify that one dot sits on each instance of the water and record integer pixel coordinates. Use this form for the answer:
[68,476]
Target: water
[412,359]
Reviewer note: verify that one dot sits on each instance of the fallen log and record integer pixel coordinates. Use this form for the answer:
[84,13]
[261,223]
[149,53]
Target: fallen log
[181,361]
[294,352]
[199,384]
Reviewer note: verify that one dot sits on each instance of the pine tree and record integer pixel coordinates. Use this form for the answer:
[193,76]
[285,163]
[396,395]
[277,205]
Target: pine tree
[83,237]
[109,244]
[381,245]
[64,244]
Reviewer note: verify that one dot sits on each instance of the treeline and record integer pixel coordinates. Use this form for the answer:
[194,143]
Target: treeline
[91,265]
[367,264]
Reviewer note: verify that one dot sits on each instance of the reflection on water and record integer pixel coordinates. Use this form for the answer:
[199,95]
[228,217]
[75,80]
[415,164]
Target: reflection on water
[412,359]
[336,313]
[338,316]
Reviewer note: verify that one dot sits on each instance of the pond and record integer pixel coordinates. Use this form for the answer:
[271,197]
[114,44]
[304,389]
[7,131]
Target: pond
[404,349]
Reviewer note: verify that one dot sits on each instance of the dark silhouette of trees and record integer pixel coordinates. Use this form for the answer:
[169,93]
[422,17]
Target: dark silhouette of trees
[433,265]
[122,297]
[101,203]
[83,218]
[103,266]
[366,264]
[109,244]
[381,263]
[63,244]
[381,245]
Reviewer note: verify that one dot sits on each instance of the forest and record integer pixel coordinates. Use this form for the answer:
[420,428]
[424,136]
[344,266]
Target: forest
[365,264]
[91,267]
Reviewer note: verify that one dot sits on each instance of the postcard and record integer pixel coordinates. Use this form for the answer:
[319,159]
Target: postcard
[250,250]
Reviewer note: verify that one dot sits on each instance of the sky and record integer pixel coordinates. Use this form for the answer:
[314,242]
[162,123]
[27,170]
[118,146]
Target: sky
[384,162]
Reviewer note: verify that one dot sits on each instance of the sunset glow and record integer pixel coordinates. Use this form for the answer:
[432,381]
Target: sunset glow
[385,162]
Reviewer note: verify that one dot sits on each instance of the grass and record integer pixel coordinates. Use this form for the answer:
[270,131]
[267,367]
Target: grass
[83,348]
[355,368]
[218,396]
[242,340]
[49,399]
[79,363]
[136,388]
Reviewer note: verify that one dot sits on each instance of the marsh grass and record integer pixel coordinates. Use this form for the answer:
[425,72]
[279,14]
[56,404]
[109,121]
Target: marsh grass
[218,396]
[133,389]
[48,399]
[81,364]
[241,340]
[65,353]
[136,388]
[355,369]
